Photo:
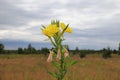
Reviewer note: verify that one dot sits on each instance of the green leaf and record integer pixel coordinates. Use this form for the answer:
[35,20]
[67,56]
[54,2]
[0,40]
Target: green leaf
[43,26]
[71,63]
[64,29]
[46,39]
[57,65]
[54,74]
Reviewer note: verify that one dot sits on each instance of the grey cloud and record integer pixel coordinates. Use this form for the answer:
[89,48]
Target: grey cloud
[106,33]
[11,15]
[102,29]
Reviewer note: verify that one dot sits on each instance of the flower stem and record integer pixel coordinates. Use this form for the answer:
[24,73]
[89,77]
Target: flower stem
[62,68]
[52,41]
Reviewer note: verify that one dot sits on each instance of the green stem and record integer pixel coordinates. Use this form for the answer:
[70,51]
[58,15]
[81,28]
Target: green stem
[52,41]
[62,63]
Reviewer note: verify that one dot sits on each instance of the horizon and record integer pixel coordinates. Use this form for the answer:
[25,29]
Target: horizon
[39,46]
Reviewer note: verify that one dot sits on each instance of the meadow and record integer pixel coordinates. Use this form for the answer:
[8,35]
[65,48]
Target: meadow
[34,67]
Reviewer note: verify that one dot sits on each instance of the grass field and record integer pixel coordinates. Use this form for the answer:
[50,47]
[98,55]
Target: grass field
[33,67]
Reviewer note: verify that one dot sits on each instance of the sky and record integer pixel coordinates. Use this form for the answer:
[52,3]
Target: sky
[95,23]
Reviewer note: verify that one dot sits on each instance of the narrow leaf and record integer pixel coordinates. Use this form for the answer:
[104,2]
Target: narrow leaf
[54,74]
[43,26]
[57,65]
[71,63]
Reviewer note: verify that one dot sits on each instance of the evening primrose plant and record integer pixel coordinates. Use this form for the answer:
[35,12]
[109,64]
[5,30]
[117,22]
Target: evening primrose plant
[59,56]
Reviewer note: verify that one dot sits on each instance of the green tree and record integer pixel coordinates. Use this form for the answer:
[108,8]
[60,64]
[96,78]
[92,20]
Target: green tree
[1,48]
[114,51]
[119,49]
[45,51]
[34,51]
[25,50]
[106,53]
[20,51]
[82,54]
[31,49]
[76,51]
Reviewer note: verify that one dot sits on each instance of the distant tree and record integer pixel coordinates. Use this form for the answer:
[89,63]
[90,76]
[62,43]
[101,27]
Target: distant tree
[31,49]
[104,49]
[1,48]
[7,51]
[114,51]
[119,49]
[82,54]
[76,49]
[25,50]
[38,51]
[20,51]
[34,50]
[107,53]
[44,51]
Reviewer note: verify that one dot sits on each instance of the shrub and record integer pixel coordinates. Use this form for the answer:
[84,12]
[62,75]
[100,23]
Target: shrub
[82,54]
[106,53]
[1,48]
[20,51]
[119,49]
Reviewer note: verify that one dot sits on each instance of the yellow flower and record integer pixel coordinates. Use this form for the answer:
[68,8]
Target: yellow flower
[50,56]
[63,26]
[50,30]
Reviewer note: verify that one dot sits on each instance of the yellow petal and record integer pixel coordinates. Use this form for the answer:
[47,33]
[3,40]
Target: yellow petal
[69,30]
[50,30]
[63,26]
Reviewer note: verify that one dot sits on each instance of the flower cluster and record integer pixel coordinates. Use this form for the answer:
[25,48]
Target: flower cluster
[54,32]
[52,29]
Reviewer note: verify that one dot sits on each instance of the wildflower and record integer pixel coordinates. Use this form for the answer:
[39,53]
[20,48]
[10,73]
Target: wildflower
[50,30]
[50,56]
[63,26]
[58,54]
[66,53]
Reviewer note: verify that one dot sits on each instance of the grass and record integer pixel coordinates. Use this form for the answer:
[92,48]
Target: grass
[33,67]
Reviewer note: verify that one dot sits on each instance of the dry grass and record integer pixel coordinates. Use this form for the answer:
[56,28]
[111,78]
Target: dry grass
[33,67]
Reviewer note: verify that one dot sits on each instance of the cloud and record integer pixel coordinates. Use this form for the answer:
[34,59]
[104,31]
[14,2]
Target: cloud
[95,23]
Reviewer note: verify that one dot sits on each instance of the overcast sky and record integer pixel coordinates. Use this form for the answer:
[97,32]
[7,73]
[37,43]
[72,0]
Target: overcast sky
[95,23]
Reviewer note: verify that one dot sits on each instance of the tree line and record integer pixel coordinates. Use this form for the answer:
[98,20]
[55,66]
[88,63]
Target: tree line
[106,52]
[29,50]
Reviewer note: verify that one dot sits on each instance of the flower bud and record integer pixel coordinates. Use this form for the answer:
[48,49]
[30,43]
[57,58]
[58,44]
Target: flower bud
[66,53]
[58,54]
[50,56]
